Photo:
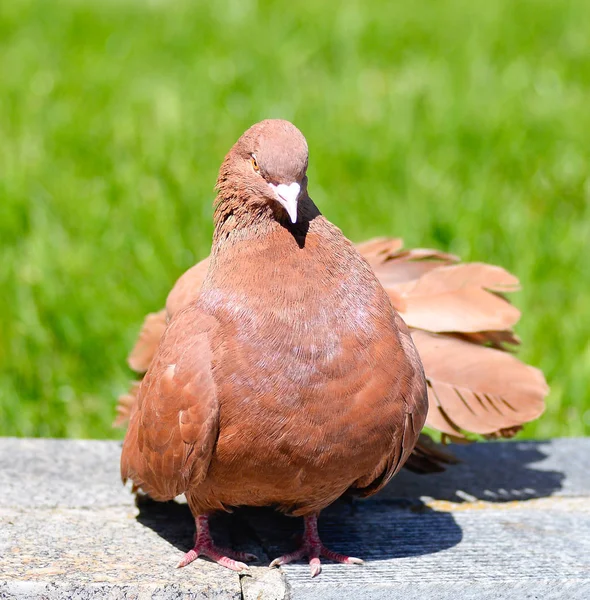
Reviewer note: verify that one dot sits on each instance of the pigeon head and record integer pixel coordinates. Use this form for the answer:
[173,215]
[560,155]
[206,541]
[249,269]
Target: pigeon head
[267,166]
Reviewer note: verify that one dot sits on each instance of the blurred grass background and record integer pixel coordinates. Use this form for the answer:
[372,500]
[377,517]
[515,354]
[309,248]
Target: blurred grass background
[459,125]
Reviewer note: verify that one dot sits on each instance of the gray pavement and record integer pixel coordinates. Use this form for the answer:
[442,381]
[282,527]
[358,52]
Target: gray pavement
[511,521]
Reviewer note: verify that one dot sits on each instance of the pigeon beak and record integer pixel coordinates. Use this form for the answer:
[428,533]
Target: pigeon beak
[287,196]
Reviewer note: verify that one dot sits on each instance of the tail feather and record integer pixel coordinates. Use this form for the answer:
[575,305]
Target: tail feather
[505,340]
[460,298]
[380,247]
[187,287]
[477,388]
[125,405]
[429,457]
[146,345]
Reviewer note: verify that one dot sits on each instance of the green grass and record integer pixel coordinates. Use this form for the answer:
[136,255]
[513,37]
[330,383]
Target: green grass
[454,124]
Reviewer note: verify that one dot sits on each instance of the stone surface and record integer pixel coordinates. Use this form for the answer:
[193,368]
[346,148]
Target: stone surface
[511,521]
[540,548]
[265,584]
[61,473]
[68,528]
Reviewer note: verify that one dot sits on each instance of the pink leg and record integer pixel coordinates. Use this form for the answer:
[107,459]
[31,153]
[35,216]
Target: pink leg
[312,548]
[204,546]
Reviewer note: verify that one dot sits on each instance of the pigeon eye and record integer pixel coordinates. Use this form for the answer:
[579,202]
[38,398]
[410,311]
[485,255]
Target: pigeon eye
[255,163]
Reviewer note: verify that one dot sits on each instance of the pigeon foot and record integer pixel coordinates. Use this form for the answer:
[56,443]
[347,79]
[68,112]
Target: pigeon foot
[312,548]
[204,546]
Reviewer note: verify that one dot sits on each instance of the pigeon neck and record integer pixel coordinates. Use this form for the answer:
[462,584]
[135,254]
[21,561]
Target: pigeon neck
[235,219]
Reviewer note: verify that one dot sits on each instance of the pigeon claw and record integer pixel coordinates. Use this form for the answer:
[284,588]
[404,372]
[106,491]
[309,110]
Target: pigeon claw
[314,553]
[222,556]
[312,548]
[204,546]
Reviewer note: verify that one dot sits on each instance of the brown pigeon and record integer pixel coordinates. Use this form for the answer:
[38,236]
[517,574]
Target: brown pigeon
[461,324]
[287,378]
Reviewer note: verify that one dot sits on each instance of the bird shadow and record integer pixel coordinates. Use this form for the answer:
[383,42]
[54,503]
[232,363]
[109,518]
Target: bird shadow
[370,530]
[491,472]
[396,523]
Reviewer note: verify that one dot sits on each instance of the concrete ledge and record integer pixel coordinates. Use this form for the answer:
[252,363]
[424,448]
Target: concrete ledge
[511,521]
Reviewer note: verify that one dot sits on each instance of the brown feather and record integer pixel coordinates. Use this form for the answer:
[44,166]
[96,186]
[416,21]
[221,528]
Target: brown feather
[408,265]
[149,337]
[125,404]
[459,298]
[505,340]
[463,396]
[186,288]
[379,249]
[172,430]
[429,457]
